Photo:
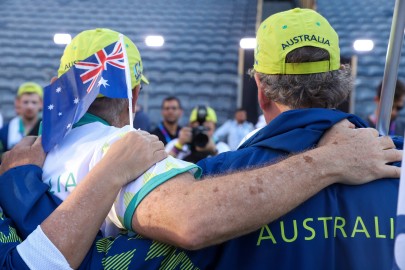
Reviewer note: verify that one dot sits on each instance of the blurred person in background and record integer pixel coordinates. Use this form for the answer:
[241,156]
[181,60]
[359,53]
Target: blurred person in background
[261,122]
[169,128]
[397,124]
[197,141]
[141,121]
[28,105]
[233,131]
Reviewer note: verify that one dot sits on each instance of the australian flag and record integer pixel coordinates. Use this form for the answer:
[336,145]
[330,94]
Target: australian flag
[399,249]
[68,98]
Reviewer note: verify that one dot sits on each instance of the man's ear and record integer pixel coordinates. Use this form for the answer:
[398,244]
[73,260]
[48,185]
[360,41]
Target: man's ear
[54,78]
[263,100]
[257,79]
[135,95]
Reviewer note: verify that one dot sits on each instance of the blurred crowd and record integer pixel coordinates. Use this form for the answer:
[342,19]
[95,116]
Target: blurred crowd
[191,137]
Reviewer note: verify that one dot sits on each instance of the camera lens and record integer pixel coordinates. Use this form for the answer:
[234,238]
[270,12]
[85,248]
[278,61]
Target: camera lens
[201,140]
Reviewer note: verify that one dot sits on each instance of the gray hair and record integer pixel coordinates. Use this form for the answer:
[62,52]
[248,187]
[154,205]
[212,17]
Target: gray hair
[319,90]
[109,109]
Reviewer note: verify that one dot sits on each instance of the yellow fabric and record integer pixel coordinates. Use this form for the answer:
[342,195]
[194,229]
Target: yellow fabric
[30,88]
[91,41]
[211,115]
[286,31]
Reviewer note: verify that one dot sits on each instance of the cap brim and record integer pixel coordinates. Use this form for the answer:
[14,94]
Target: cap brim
[144,79]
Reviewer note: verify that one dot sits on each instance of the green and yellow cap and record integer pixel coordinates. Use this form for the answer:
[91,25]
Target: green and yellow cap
[30,88]
[211,115]
[286,31]
[91,41]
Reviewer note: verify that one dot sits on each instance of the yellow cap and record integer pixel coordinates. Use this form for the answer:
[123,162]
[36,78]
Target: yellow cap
[30,88]
[211,115]
[286,31]
[91,41]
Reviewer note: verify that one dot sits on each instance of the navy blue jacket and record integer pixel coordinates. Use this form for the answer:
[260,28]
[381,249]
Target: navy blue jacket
[342,227]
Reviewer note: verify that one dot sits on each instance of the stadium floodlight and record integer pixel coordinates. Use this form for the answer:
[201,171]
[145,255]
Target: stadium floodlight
[363,45]
[62,38]
[154,41]
[247,43]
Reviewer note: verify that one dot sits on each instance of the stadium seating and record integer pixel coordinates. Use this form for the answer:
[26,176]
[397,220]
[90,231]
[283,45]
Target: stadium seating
[199,59]
[199,56]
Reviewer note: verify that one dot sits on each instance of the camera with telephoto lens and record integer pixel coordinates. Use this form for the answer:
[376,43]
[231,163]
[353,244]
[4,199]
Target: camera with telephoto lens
[200,137]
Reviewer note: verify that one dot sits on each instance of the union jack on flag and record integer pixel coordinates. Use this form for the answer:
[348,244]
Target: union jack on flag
[94,69]
[68,98]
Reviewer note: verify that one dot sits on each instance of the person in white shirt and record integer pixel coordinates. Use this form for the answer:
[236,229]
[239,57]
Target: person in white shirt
[233,131]
[106,121]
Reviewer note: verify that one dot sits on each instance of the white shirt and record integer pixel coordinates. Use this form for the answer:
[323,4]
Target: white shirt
[15,133]
[233,132]
[82,148]
[247,137]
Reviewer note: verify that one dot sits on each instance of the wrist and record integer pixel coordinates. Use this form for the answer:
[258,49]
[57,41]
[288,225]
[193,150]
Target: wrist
[214,151]
[116,176]
[178,145]
[324,164]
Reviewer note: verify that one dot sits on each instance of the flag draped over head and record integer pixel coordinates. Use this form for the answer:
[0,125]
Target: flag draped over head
[68,98]
[399,249]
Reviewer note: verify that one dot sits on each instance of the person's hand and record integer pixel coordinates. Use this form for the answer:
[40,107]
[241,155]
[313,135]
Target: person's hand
[27,151]
[131,156]
[360,155]
[210,148]
[185,135]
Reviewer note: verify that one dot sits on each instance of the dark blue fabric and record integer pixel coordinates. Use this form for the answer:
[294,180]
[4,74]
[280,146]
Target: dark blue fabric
[24,199]
[313,235]
[9,257]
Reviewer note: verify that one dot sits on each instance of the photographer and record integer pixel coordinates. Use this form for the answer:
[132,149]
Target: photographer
[196,141]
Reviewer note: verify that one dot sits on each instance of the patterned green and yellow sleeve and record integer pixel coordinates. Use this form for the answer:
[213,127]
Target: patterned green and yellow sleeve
[132,251]
[132,194]
[7,233]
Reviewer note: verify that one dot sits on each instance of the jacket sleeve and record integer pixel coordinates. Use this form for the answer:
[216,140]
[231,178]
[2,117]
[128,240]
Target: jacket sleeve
[24,198]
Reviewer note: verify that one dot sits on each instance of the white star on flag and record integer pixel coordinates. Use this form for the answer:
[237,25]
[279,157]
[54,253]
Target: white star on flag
[50,107]
[58,90]
[76,100]
[60,113]
[69,125]
[103,82]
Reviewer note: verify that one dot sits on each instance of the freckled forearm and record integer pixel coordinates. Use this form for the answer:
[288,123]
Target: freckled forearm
[73,226]
[224,207]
